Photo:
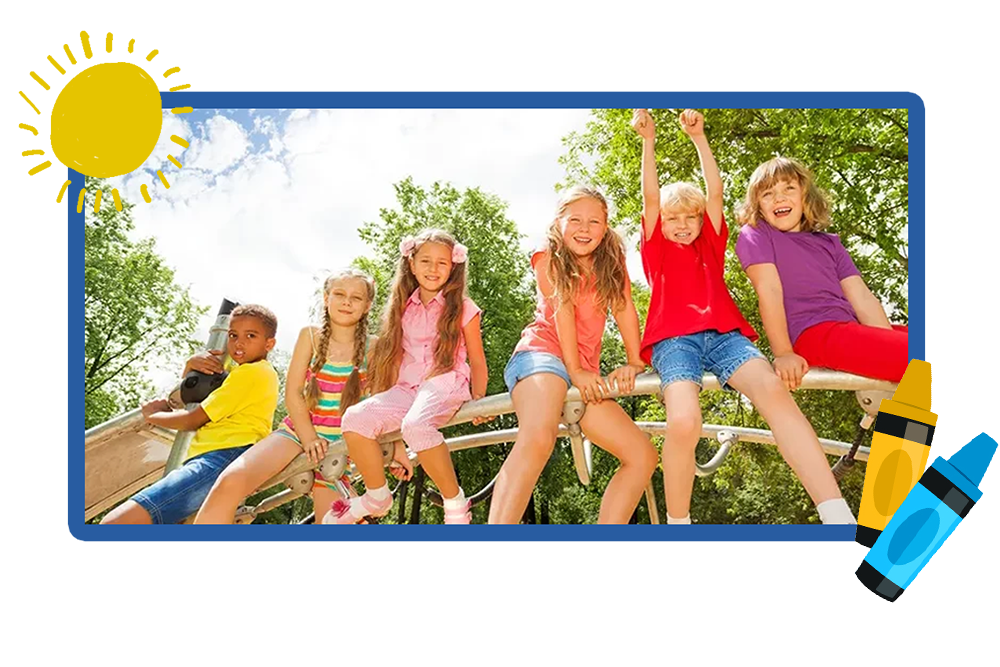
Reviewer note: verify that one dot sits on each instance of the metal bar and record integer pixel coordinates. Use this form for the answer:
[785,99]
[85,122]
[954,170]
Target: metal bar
[216,341]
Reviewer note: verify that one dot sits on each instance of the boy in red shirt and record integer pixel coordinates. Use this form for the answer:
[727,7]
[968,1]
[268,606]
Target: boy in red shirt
[693,326]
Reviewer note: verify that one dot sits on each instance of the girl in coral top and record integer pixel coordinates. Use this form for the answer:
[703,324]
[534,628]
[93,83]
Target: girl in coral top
[581,274]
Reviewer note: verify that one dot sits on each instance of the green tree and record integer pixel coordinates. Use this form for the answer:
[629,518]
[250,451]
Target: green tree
[135,314]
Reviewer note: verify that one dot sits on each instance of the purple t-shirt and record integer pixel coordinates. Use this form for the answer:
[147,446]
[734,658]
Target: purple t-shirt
[810,265]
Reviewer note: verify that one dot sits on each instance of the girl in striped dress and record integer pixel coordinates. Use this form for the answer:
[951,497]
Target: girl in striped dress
[325,376]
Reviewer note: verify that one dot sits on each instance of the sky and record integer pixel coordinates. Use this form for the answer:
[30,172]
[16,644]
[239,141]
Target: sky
[269,201]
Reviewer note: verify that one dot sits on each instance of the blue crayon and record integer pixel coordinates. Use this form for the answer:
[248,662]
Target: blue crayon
[929,514]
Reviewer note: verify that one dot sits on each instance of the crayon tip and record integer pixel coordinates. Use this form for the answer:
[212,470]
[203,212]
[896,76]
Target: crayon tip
[973,459]
[915,387]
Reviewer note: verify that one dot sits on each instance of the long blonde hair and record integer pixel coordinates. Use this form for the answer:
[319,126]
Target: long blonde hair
[352,388]
[388,352]
[815,203]
[567,273]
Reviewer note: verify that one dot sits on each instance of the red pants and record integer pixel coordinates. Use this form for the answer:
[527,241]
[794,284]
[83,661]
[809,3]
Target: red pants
[882,354]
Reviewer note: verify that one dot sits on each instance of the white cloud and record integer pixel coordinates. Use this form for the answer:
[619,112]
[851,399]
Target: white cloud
[223,144]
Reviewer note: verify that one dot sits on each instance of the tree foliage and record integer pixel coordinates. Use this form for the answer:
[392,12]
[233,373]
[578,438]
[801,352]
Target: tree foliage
[135,315]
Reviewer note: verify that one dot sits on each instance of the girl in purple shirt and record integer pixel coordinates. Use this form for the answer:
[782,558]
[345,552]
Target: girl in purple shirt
[816,308]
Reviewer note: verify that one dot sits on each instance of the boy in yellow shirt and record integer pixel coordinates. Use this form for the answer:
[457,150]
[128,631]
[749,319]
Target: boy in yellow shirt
[228,422]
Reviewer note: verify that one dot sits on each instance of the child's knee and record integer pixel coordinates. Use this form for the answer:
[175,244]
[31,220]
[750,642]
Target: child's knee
[646,456]
[419,434]
[231,482]
[539,441]
[684,426]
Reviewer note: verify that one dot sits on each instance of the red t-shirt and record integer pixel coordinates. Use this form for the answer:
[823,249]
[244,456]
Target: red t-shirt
[689,293]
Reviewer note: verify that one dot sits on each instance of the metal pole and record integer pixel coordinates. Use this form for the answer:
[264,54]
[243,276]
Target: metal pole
[216,341]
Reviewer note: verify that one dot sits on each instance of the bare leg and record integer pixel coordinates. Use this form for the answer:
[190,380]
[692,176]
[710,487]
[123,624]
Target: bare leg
[129,512]
[538,400]
[437,463]
[607,425]
[795,436]
[323,497]
[680,439]
[367,457]
[242,477]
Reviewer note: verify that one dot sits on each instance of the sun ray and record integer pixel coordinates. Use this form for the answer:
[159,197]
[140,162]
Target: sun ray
[33,130]
[79,201]
[118,200]
[163,179]
[130,45]
[177,140]
[172,70]
[34,152]
[181,110]
[85,40]
[62,191]
[174,160]
[108,42]
[69,54]
[97,202]
[42,167]
[30,102]
[56,65]
[39,80]
[176,88]
[145,193]
[152,54]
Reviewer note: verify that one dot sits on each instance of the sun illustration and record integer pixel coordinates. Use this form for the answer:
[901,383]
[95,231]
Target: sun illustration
[106,121]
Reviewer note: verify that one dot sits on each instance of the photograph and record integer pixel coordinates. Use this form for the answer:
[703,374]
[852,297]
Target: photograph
[547,316]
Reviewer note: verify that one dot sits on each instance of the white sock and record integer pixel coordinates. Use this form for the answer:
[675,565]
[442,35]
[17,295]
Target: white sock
[358,510]
[456,503]
[835,511]
[685,521]
[381,493]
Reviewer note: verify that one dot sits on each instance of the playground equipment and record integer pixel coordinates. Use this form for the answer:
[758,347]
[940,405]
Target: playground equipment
[124,454]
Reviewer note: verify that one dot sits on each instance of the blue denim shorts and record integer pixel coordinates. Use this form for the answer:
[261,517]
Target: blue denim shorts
[181,493]
[688,357]
[526,363]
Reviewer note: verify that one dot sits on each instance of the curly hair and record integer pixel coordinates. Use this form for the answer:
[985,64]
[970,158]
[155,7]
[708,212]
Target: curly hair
[261,314]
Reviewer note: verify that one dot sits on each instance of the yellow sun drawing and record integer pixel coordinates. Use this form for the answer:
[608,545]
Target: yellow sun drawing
[106,121]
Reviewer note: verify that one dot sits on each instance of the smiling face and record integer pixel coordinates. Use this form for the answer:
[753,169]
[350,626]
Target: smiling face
[583,225]
[347,301]
[431,265]
[248,341]
[781,205]
[681,225]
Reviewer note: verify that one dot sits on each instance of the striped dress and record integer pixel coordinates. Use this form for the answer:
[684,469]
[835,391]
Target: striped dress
[330,381]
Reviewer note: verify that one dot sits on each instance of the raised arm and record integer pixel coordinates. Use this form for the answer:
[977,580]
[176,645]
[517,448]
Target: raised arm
[866,306]
[642,121]
[693,124]
[789,366]
[590,384]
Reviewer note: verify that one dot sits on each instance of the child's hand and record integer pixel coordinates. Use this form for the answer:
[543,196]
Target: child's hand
[316,450]
[400,466]
[159,405]
[643,123]
[591,385]
[624,377]
[208,363]
[692,122]
[480,420]
[790,368]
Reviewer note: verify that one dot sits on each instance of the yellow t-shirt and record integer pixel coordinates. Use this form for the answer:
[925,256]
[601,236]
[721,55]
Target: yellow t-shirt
[241,409]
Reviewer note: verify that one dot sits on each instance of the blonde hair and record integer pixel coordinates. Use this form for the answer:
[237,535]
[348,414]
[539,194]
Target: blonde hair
[565,271]
[352,388]
[683,196]
[815,203]
[388,352]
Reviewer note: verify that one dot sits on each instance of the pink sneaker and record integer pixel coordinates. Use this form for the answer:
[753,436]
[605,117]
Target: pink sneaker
[340,510]
[462,515]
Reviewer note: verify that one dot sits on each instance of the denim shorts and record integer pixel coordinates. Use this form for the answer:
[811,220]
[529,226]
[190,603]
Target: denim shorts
[181,493]
[688,357]
[527,362]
